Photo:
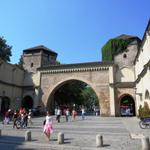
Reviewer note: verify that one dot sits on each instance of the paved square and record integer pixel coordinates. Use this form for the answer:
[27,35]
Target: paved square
[79,135]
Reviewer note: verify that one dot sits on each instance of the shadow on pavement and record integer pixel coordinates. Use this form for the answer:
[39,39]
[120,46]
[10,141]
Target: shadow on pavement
[10,142]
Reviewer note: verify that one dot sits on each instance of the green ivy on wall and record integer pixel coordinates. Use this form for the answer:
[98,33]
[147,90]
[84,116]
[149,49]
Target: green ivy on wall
[115,46]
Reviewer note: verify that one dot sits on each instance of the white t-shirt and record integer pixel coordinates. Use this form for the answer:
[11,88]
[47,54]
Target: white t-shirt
[48,119]
[58,112]
[83,110]
[67,112]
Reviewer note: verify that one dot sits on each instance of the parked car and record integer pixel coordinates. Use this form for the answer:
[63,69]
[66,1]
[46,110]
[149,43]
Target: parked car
[36,111]
[125,111]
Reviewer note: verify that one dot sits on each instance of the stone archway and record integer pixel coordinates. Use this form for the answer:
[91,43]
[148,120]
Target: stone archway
[99,76]
[51,102]
[127,105]
[5,104]
[27,102]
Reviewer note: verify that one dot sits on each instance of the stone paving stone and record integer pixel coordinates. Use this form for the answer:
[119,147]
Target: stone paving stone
[79,134]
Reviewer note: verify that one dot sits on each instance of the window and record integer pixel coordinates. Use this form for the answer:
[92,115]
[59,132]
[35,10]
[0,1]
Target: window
[147,97]
[31,65]
[124,55]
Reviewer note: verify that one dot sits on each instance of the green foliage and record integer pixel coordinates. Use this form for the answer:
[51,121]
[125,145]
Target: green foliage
[58,62]
[76,92]
[144,111]
[115,46]
[20,63]
[89,98]
[140,111]
[69,93]
[5,50]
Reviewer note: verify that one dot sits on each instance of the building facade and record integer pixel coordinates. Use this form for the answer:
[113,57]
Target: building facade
[119,85]
[142,70]
[11,86]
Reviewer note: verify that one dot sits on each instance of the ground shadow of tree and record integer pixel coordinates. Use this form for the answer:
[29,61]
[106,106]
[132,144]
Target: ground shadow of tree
[12,143]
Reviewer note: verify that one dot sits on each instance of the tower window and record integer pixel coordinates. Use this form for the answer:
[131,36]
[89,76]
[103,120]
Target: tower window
[32,65]
[124,56]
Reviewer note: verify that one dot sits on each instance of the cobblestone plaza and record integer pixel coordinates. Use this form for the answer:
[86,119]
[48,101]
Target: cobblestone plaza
[79,135]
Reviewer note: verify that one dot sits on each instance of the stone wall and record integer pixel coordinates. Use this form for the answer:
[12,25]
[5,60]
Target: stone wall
[32,61]
[127,58]
[11,82]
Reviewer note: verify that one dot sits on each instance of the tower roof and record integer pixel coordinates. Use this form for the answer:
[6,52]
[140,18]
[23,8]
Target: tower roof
[39,48]
[125,36]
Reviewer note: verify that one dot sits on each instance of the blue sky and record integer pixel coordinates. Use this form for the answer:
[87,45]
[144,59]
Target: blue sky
[75,29]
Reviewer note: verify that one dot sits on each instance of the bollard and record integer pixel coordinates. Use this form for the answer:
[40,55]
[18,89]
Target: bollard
[60,138]
[145,143]
[99,140]
[28,136]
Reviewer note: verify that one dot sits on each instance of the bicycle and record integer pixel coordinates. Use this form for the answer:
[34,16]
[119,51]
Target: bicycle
[144,123]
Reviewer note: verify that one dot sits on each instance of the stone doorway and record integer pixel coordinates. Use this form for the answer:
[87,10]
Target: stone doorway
[5,104]
[127,106]
[27,102]
[64,97]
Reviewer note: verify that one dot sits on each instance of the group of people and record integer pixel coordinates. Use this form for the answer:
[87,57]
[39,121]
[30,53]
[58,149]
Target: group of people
[25,118]
[23,115]
[48,122]
[68,113]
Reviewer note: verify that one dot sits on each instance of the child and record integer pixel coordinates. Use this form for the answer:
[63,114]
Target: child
[48,129]
[74,114]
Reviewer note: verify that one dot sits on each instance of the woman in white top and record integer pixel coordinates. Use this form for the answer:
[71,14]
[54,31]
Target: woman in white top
[48,129]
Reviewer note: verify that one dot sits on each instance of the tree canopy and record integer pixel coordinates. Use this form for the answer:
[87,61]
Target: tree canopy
[20,63]
[78,93]
[5,50]
[69,93]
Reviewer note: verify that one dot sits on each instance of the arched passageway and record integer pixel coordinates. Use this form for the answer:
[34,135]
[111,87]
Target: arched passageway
[5,104]
[127,106]
[73,94]
[27,102]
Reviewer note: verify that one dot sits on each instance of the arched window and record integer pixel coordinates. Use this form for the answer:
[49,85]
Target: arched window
[5,104]
[32,65]
[27,102]
[125,56]
[147,96]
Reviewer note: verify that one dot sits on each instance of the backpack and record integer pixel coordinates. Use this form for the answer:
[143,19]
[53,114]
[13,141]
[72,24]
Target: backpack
[44,122]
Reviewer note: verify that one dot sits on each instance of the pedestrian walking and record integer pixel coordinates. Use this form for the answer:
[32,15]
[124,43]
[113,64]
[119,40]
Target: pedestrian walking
[83,113]
[30,117]
[55,111]
[48,128]
[15,117]
[67,113]
[58,115]
[25,119]
[74,114]
[7,117]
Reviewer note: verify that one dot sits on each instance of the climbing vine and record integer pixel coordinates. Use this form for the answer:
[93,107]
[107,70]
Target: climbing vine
[115,46]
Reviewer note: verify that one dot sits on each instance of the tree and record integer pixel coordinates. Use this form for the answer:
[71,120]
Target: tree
[70,93]
[20,63]
[5,50]
[78,93]
[58,62]
[90,98]
[144,111]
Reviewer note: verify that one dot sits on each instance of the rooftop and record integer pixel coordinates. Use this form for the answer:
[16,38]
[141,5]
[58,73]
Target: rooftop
[39,47]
